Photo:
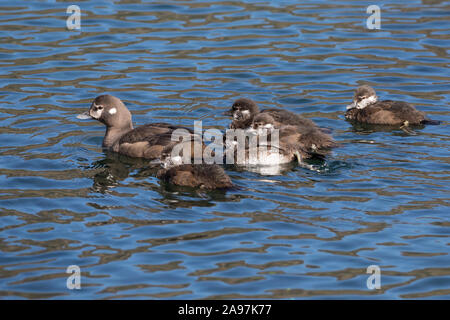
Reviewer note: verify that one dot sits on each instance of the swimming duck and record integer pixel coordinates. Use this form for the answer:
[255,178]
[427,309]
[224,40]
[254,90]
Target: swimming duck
[268,144]
[152,141]
[204,176]
[298,138]
[366,108]
[302,142]
[244,110]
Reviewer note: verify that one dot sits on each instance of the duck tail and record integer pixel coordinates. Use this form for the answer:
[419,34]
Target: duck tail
[432,122]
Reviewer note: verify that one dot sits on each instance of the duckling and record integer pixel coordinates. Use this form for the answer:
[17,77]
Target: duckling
[244,110]
[302,142]
[366,108]
[204,176]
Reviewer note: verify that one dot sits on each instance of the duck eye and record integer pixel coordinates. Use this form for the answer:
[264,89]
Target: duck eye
[100,107]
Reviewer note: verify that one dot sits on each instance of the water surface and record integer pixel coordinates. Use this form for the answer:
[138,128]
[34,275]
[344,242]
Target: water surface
[381,198]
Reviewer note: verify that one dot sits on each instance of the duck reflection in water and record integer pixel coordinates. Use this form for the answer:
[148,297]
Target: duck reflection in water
[115,168]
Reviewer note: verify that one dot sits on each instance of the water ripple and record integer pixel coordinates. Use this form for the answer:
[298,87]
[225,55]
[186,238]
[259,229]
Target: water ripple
[381,198]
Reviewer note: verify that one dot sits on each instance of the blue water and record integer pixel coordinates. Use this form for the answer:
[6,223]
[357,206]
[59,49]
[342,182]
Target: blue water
[381,198]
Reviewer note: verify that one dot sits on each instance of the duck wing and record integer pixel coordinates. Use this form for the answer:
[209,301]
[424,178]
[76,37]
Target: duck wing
[285,117]
[404,111]
[154,141]
[149,132]
[308,141]
[390,112]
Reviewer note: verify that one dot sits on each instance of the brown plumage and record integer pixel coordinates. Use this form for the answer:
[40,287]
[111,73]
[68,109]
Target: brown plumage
[152,141]
[205,176]
[244,110]
[284,117]
[308,141]
[367,109]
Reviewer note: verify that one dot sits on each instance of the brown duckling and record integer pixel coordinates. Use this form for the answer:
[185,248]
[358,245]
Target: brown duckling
[204,176]
[306,141]
[366,108]
[244,110]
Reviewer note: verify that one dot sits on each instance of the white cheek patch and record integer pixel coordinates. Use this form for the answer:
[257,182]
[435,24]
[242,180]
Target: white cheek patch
[112,111]
[245,113]
[366,102]
[96,114]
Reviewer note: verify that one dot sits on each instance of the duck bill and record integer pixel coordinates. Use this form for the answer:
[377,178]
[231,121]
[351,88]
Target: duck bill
[84,115]
[351,106]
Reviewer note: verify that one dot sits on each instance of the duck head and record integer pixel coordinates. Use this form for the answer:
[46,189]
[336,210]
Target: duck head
[110,111]
[243,110]
[364,96]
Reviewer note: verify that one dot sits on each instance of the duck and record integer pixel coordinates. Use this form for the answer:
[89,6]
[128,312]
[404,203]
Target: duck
[154,141]
[243,110]
[299,138]
[367,108]
[265,144]
[150,141]
[295,141]
[203,176]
